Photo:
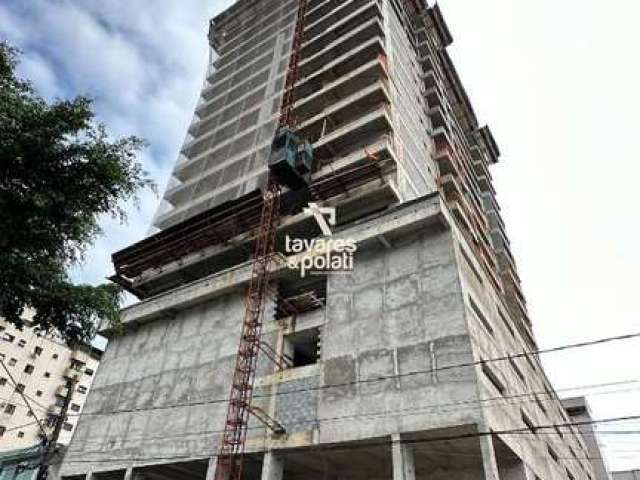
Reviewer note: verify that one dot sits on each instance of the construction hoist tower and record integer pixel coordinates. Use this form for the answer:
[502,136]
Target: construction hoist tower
[290,165]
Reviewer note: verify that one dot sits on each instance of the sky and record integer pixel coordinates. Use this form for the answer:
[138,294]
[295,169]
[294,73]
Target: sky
[557,81]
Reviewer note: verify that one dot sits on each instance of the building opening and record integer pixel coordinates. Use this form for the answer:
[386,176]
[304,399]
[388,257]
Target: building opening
[302,348]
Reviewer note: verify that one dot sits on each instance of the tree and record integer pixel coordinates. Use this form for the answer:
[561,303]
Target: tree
[59,172]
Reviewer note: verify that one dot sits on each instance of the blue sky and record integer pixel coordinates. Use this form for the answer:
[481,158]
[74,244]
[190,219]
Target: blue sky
[557,81]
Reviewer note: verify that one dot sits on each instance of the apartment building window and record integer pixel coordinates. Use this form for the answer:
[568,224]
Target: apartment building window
[74,407]
[51,420]
[77,366]
[483,320]
[493,378]
[20,388]
[528,422]
[516,369]
[3,381]
[82,389]
[553,454]
[2,430]
[47,374]
[8,338]
[37,351]
[39,393]
[67,426]
[22,343]
[541,405]
[573,452]
[29,369]
[12,362]
[9,409]
[465,255]
[29,413]
[88,372]
[301,348]
[20,434]
[60,402]
[506,322]
[531,362]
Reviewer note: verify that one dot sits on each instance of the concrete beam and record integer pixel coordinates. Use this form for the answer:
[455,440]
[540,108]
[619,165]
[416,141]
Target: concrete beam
[211,468]
[413,215]
[489,462]
[403,459]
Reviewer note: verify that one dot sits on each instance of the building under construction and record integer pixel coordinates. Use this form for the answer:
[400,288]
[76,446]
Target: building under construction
[415,361]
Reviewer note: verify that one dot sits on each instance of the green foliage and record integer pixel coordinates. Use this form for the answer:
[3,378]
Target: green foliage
[59,172]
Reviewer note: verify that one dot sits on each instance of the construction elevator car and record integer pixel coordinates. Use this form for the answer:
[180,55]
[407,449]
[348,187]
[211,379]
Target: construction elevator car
[291,159]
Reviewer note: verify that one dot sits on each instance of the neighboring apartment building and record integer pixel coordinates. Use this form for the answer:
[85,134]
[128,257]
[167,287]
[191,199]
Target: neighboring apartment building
[392,373]
[41,366]
[580,413]
[626,475]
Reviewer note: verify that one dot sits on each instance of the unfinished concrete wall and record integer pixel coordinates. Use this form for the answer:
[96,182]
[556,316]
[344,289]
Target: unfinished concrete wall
[227,145]
[163,391]
[401,312]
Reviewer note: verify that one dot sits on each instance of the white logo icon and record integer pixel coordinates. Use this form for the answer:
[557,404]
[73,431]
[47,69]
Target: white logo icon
[319,213]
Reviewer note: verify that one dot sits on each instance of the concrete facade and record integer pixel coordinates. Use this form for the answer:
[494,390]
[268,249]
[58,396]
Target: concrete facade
[580,413]
[394,374]
[41,365]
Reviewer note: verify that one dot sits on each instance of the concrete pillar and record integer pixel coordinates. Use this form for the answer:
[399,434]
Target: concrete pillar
[88,476]
[211,468]
[528,473]
[489,461]
[403,461]
[272,467]
[128,474]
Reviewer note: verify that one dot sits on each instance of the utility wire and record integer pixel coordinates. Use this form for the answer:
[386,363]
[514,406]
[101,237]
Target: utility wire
[11,401]
[24,398]
[39,405]
[407,411]
[387,377]
[366,445]
[20,426]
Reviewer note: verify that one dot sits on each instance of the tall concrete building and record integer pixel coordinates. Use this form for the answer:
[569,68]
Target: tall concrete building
[41,366]
[391,366]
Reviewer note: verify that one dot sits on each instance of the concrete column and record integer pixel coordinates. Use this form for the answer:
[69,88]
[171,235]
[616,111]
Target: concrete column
[88,476]
[211,468]
[272,467]
[489,461]
[128,474]
[528,473]
[403,461]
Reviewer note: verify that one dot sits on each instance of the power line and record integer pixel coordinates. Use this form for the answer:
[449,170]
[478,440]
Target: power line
[20,426]
[364,445]
[474,403]
[389,377]
[24,398]
[12,401]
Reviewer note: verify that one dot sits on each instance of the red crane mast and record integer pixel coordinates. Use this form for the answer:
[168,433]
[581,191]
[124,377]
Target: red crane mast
[232,447]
